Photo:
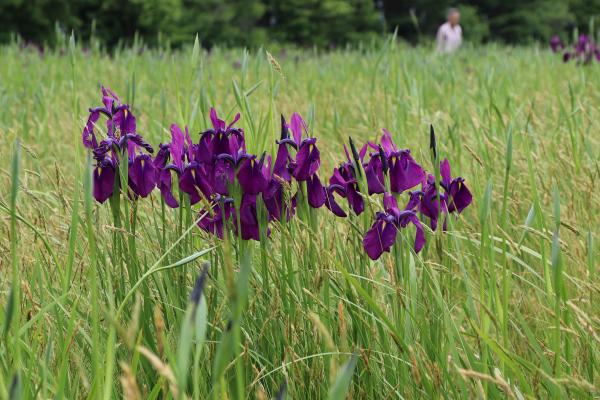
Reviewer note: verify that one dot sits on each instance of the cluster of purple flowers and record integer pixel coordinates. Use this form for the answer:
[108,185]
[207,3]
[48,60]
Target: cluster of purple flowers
[391,172]
[583,51]
[217,170]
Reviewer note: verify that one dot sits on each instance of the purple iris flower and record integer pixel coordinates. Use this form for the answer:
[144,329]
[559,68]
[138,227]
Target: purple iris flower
[374,173]
[274,197]
[459,196]
[331,202]
[225,168]
[119,117]
[221,139]
[142,175]
[281,168]
[248,218]
[308,158]
[556,44]
[276,201]
[404,172]
[584,51]
[253,176]
[196,181]
[455,199]
[221,213]
[306,164]
[315,191]
[383,232]
[121,140]
[164,182]
[104,179]
[179,152]
[344,176]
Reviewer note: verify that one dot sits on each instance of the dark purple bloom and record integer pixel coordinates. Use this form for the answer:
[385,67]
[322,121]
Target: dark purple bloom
[121,143]
[282,160]
[405,173]
[142,175]
[162,156]
[275,198]
[179,152]
[276,201]
[556,44]
[433,204]
[220,140]
[308,158]
[374,175]
[88,136]
[248,218]
[315,191]
[382,235]
[331,202]
[253,176]
[584,51]
[165,185]
[104,179]
[459,196]
[196,180]
[221,214]
[344,176]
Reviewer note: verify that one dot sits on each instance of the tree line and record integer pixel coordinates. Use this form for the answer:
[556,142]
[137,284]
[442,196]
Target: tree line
[319,23]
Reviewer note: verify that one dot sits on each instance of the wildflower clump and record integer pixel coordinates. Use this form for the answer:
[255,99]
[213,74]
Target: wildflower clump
[232,186]
[583,51]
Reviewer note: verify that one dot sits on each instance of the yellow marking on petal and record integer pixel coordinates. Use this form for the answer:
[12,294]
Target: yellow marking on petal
[142,162]
[99,170]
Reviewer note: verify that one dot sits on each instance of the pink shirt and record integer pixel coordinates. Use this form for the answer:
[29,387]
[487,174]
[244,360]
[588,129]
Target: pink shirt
[448,38]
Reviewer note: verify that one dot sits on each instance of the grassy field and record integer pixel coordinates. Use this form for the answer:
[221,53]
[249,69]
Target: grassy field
[503,304]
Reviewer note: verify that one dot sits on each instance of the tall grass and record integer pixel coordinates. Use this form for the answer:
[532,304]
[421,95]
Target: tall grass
[96,299]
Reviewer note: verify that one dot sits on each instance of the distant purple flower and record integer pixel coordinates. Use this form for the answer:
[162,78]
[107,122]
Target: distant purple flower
[556,44]
[584,51]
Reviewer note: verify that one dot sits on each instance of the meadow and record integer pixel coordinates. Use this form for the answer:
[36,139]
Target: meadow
[98,303]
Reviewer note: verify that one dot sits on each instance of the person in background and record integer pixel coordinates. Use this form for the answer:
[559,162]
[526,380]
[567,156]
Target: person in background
[449,35]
